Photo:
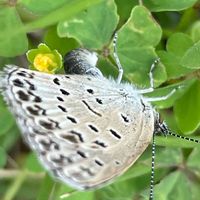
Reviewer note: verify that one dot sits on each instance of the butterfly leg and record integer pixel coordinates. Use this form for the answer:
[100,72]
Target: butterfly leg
[151,88]
[162,98]
[120,68]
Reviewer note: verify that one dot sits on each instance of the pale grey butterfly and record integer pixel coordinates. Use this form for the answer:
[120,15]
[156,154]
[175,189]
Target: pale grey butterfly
[85,129]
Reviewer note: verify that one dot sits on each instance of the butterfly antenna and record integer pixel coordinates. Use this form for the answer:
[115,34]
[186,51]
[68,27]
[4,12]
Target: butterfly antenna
[153,152]
[120,68]
[162,128]
[183,137]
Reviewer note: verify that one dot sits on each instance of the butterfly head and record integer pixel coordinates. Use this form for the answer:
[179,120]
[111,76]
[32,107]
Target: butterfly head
[81,61]
[160,126]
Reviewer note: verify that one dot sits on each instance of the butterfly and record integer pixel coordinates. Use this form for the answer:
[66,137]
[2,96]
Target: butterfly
[84,128]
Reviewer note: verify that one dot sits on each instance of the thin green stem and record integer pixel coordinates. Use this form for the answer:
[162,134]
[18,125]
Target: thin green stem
[15,186]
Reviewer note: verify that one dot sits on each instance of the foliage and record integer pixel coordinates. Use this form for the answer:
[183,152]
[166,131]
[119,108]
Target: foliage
[168,29]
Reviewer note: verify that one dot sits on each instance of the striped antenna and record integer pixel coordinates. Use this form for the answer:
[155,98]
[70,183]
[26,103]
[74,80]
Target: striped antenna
[153,153]
[183,137]
[162,127]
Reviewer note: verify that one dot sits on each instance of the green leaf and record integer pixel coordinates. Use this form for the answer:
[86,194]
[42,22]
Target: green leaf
[187,108]
[89,28]
[138,169]
[136,47]
[3,157]
[62,13]
[172,65]
[168,5]
[177,45]
[63,45]
[46,188]
[4,61]
[171,141]
[195,31]
[124,9]
[193,162]
[181,189]
[13,40]
[181,88]
[79,195]
[7,120]
[164,158]
[170,187]
[10,138]
[107,67]
[191,58]
[33,164]
[168,157]
[42,7]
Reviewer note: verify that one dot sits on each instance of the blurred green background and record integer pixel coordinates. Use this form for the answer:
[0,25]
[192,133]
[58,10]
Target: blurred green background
[169,29]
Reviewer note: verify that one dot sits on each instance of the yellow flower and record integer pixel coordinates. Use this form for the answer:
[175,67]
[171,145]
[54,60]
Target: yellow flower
[45,60]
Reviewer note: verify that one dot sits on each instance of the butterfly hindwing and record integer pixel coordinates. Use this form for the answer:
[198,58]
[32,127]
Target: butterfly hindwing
[85,130]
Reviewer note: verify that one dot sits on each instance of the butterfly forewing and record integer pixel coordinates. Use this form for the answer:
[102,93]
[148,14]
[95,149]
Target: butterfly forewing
[85,130]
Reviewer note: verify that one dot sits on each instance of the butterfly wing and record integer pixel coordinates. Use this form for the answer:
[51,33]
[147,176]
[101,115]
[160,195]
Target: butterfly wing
[85,130]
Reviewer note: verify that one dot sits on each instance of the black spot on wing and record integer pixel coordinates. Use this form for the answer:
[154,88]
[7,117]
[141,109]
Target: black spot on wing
[56,81]
[59,160]
[90,91]
[60,99]
[82,154]
[31,86]
[77,134]
[93,128]
[46,125]
[102,144]
[22,95]
[117,162]
[72,119]
[36,99]
[55,123]
[33,111]
[45,144]
[125,118]
[25,74]
[99,101]
[115,134]
[62,108]
[48,144]
[42,110]
[64,92]
[98,162]
[56,146]
[21,74]
[70,138]
[17,82]
[87,170]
